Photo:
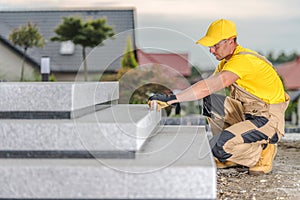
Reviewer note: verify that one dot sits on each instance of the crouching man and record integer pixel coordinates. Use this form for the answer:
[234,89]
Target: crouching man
[249,122]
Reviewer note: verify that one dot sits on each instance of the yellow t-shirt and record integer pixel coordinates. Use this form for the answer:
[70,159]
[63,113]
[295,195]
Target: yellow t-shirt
[255,75]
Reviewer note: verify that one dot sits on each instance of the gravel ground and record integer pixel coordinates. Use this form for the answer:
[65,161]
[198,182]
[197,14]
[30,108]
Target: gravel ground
[282,183]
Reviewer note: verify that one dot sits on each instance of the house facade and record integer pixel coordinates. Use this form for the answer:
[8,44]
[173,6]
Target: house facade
[11,60]
[65,58]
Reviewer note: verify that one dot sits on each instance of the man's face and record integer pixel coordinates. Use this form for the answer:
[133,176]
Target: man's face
[220,50]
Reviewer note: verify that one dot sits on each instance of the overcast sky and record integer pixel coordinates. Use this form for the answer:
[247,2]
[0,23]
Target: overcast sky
[175,25]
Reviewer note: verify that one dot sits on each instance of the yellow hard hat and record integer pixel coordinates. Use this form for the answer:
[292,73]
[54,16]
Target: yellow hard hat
[218,30]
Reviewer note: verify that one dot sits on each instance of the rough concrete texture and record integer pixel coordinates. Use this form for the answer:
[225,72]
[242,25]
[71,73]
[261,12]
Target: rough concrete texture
[175,163]
[55,96]
[120,127]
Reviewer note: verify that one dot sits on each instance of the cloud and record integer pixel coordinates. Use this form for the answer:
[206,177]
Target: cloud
[217,8]
[180,8]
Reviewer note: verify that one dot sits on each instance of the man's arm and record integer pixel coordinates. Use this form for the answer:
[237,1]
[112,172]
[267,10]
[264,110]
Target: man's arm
[206,87]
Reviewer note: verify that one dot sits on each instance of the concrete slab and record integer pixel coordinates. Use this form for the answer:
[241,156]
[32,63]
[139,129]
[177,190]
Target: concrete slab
[176,163]
[118,128]
[42,100]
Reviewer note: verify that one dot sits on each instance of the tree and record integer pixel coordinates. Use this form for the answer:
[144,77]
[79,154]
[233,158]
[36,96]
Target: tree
[282,57]
[26,36]
[128,60]
[86,34]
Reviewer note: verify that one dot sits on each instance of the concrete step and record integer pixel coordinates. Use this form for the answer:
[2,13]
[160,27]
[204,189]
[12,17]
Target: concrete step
[51,100]
[120,128]
[175,163]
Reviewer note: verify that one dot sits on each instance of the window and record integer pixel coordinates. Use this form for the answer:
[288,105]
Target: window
[67,48]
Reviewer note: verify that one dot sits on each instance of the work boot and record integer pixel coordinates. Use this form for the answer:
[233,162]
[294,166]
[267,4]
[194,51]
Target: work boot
[224,165]
[265,163]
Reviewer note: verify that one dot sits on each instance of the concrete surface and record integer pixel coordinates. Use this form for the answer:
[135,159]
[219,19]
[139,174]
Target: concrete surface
[39,98]
[118,128]
[291,137]
[175,163]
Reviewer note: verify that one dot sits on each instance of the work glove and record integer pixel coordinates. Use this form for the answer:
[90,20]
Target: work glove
[161,100]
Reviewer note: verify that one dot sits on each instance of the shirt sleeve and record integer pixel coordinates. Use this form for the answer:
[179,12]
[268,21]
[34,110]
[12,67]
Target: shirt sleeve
[219,67]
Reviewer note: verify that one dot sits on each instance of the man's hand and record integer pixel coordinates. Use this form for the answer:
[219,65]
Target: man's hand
[160,100]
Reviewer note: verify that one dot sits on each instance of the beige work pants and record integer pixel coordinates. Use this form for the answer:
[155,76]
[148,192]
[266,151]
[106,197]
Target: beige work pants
[243,125]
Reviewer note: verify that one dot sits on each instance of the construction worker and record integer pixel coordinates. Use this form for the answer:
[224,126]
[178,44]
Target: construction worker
[249,122]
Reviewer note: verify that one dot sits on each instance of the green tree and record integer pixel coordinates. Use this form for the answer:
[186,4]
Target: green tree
[128,60]
[26,36]
[270,57]
[282,57]
[91,33]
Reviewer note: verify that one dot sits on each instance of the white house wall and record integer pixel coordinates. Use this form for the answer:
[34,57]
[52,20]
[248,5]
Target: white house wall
[10,66]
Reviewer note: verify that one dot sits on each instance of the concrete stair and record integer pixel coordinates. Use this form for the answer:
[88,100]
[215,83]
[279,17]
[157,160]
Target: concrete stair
[117,128]
[174,164]
[55,100]
[115,152]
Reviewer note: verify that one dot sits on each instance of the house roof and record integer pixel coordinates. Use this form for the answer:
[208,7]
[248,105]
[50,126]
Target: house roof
[290,74]
[178,62]
[108,56]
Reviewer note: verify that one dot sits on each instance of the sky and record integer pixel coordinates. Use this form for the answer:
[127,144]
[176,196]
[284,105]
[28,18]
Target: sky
[175,25]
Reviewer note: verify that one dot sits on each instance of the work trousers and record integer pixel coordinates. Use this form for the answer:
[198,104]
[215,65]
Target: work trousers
[242,125]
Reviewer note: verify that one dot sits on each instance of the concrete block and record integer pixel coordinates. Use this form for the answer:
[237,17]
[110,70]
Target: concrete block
[121,128]
[44,100]
[176,163]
